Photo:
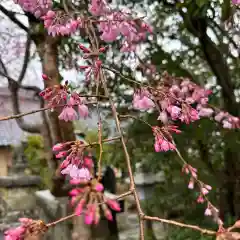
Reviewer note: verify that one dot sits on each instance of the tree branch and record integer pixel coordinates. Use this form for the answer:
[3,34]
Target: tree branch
[11,16]
[26,59]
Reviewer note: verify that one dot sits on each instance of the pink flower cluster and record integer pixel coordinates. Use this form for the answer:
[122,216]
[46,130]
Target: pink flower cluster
[36,7]
[132,31]
[176,100]
[181,99]
[58,23]
[114,24]
[19,232]
[74,106]
[76,164]
[227,120]
[90,198]
[98,8]
[163,138]
[28,226]
[142,100]
[81,174]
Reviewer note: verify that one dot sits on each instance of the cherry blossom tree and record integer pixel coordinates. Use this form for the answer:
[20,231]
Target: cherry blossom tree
[175,99]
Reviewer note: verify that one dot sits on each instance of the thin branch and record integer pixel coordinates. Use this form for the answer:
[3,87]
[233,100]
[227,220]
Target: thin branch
[122,76]
[99,136]
[183,225]
[23,114]
[26,59]
[32,112]
[127,157]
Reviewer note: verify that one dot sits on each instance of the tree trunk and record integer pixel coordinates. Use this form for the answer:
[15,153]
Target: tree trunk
[230,192]
[58,130]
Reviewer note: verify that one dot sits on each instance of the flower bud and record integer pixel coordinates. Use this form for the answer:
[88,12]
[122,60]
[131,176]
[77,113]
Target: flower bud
[114,205]
[61,154]
[99,187]
[78,209]
[44,77]
[57,147]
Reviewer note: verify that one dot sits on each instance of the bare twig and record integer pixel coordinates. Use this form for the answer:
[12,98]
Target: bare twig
[127,157]
[183,225]
[99,137]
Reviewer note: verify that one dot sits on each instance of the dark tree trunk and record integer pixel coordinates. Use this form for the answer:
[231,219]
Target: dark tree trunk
[230,188]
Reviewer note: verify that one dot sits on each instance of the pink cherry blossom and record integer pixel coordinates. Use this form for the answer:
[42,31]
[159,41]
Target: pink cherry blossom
[204,191]
[208,212]
[98,7]
[62,154]
[205,112]
[58,23]
[174,111]
[220,116]
[208,187]
[162,145]
[68,114]
[18,233]
[162,141]
[58,147]
[74,172]
[14,234]
[109,32]
[83,111]
[189,114]
[191,184]
[142,102]
[227,124]
[36,7]
[200,199]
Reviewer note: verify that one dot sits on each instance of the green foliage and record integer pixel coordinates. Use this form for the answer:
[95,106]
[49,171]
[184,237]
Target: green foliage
[34,153]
